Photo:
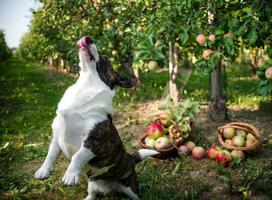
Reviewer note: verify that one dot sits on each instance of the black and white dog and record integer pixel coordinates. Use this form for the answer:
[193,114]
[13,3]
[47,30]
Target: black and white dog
[84,132]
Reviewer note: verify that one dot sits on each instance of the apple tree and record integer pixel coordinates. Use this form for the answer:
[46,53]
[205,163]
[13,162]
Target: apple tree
[5,51]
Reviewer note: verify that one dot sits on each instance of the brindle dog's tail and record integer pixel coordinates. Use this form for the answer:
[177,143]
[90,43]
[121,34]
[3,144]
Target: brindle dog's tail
[143,154]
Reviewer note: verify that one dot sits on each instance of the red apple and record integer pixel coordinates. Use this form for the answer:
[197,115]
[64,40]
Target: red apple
[228,132]
[165,119]
[223,157]
[207,53]
[190,145]
[162,143]
[183,149]
[268,73]
[238,141]
[201,39]
[212,37]
[198,152]
[154,131]
[237,154]
[212,151]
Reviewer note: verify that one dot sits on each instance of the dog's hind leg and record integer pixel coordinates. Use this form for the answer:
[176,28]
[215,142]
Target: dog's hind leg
[92,191]
[100,186]
[129,186]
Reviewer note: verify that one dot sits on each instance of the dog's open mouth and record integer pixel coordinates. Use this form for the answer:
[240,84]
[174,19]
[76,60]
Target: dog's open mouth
[84,44]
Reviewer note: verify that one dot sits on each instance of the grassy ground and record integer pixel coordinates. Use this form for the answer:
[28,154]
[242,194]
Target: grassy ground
[28,99]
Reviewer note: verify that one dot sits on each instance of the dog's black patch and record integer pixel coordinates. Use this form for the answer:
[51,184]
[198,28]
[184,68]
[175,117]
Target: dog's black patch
[105,143]
[109,76]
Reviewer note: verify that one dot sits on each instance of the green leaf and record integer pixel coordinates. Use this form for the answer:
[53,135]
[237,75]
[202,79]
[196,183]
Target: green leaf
[175,170]
[253,36]
[184,38]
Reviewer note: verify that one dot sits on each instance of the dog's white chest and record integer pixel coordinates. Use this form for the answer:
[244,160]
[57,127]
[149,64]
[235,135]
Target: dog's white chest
[83,105]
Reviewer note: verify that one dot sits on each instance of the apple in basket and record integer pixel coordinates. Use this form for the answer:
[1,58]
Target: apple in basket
[150,142]
[154,131]
[165,119]
[163,143]
[238,141]
[229,133]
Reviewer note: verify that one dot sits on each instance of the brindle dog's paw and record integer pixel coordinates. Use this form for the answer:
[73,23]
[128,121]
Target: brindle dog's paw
[71,178]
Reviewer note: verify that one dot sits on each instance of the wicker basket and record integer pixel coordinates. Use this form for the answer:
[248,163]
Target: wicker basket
[176,127]
[241,126]
[164,153]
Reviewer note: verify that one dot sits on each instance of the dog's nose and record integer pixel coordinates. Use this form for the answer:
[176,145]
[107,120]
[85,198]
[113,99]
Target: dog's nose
[84,42]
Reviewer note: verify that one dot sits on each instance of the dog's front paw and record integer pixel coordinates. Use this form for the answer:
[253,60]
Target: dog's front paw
[71,178]
[42,173]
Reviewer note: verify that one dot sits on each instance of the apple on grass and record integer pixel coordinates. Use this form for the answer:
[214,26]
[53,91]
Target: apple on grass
[213,151]
[154,131]
[198,152]
[183,149]
[190,145]
[223,157]
[237,154]
[163,143]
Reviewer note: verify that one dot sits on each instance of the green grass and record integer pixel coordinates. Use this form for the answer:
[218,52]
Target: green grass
[28,100]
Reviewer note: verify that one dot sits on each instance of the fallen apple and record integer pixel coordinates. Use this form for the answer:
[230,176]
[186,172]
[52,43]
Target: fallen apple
[228,132]
[212,151]
[154,130]
[238,141]
[183,149]
[237,154]
[190,145]
[162,143]
[201,39]
[198,152]
[268,73]
[223,157]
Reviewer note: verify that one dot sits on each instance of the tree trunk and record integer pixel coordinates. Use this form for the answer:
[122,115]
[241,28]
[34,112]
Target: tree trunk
[50,61]
[217,107]
[253,60]
[173,70]
[136,73]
